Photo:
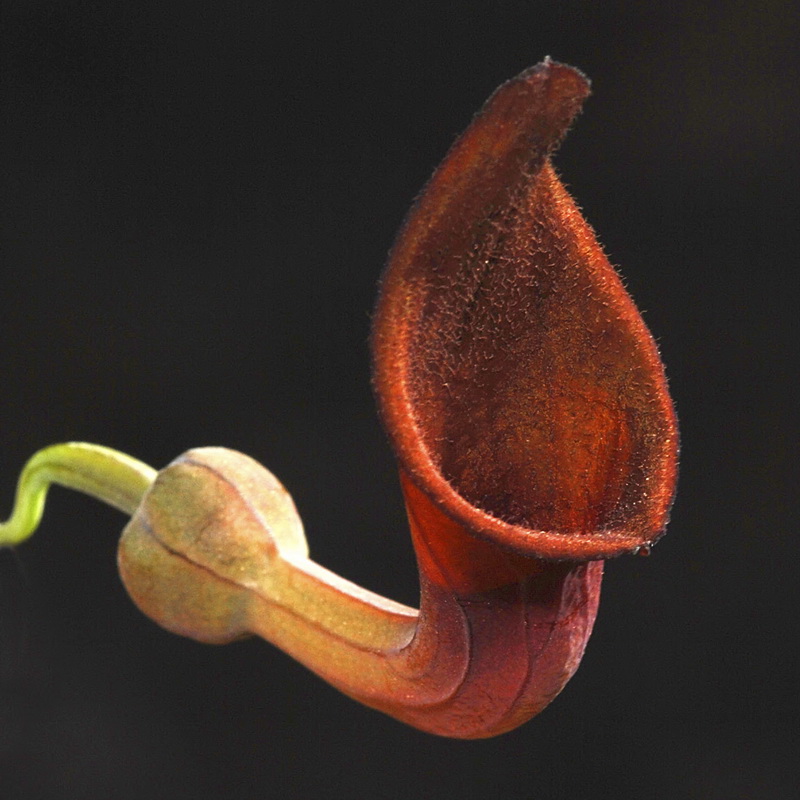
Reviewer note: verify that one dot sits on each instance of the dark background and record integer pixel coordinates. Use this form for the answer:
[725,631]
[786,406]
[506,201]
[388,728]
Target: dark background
[197,200]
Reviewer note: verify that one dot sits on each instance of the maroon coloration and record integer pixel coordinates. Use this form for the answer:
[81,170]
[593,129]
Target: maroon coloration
[518,383]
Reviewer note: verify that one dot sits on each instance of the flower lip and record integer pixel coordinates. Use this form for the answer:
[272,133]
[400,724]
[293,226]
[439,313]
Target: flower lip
[519,386]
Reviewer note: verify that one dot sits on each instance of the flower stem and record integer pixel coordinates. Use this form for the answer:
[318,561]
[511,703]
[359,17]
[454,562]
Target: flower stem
[103,473]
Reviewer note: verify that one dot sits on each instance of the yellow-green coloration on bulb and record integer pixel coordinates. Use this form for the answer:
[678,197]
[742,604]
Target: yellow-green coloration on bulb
[209,530]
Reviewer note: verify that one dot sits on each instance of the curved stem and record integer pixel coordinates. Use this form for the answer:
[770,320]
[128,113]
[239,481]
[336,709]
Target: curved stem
[216,552]
[103,473]
[464,666]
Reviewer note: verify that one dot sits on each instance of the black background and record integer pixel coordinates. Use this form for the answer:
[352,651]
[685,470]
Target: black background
[197,202]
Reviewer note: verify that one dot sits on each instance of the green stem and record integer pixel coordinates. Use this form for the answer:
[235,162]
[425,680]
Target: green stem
[101,472]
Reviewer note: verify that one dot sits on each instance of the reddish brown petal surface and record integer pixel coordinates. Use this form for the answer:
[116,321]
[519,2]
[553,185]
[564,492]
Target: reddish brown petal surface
[521,389]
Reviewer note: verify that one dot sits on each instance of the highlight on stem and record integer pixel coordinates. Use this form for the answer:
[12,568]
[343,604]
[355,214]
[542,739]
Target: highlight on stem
[527,406]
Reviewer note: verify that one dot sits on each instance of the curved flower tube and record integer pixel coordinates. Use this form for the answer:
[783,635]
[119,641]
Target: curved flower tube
[528,409]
